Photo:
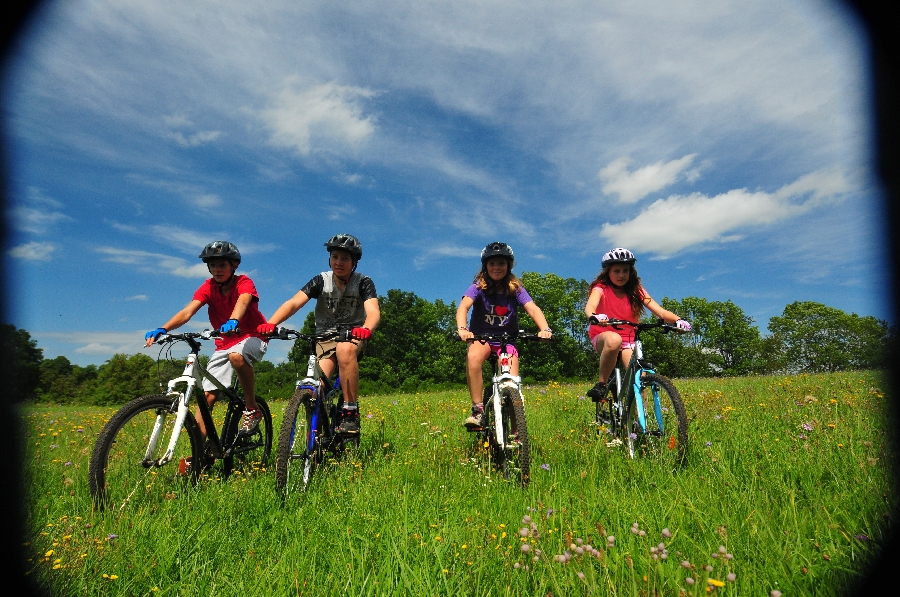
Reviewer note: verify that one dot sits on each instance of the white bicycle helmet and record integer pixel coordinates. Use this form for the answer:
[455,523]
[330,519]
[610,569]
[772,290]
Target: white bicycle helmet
[618,255]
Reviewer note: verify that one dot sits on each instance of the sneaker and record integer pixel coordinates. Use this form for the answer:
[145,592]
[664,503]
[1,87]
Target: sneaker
[473,423]
[598,392]
[251,421]
[349,422]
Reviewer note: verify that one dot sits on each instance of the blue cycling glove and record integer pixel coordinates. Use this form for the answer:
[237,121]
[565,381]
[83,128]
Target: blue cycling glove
[154,334]
[229,326]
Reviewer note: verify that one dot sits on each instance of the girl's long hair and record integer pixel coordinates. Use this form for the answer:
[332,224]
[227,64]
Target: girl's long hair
[510,284]
[632,288]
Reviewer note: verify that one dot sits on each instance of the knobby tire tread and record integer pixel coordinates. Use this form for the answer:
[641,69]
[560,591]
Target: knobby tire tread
[288,437]
[230,429]
[131,448]
[514,419]
[672,447]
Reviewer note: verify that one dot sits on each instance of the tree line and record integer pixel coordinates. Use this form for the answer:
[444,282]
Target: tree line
[416,349]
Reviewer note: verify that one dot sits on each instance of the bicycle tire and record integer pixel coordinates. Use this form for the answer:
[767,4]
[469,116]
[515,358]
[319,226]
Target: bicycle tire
[295,460]
[119,475]
[666,436]
[488,433]
[247,454]
[517,448]
[607,417]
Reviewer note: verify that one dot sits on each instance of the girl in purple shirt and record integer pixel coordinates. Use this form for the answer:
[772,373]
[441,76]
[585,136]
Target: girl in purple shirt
[494,298]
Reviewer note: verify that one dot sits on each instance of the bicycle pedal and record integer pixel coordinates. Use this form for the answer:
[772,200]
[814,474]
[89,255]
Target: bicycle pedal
[473,429]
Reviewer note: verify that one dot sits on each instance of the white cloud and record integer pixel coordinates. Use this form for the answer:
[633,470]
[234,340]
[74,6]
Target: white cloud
[322,117]
[670,225]
[634,186]
[194,140]
[33,251]
[195,194]
[36,221]
[436,252]
[145,261]
[138,297]
[94,343]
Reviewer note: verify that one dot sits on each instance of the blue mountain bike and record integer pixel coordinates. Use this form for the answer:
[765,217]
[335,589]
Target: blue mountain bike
[645,411]
[308,431]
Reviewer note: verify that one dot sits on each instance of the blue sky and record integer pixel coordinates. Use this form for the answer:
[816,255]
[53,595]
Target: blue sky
[728,145]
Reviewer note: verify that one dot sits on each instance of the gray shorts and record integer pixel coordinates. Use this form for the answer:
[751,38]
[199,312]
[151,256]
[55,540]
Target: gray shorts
[252,349]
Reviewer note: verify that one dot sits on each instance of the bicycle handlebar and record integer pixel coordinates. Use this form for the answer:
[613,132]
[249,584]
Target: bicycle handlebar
[506,337]
[666,327]
[339,335]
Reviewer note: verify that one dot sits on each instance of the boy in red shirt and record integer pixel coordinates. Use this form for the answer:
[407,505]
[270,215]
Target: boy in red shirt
[233,307]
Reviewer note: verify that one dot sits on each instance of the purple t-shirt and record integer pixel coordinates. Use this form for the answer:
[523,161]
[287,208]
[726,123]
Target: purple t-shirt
[495,313]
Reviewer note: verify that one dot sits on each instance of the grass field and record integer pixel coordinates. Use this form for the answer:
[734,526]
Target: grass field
[786,488]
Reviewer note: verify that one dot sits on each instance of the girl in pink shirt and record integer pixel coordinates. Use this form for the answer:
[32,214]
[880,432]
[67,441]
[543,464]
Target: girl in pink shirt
[617,293]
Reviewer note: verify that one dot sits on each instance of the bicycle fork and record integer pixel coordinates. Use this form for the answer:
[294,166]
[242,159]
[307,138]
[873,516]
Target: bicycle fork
[504,380]
[188,377]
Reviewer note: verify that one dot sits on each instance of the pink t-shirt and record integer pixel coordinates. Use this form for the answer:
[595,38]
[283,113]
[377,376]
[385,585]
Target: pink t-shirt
[221,307]
[614,307]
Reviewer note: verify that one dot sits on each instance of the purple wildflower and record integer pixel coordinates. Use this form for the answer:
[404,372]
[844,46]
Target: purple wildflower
[545,466]
[807,427]
[111,537]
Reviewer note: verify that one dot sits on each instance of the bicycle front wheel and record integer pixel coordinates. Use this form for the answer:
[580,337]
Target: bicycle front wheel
[299,445]
[247,454]
[123,468]
[665,435]
[516,448]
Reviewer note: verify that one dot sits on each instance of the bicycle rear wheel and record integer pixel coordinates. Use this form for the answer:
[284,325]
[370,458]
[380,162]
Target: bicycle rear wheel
[247,454]
[299,445]
[665,437]
[516,448]
[122,469]
[608,415]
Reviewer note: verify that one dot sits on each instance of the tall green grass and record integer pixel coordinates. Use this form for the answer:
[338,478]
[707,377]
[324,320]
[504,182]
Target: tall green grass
[789,475]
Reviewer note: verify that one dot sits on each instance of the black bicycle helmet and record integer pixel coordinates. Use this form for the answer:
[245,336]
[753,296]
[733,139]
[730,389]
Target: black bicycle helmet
[618,255]
[220,249]
[498,250]
[345,242]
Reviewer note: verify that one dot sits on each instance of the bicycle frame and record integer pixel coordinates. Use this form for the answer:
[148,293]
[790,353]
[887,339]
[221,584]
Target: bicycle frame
[318,383]
[502,378]
[635,371]
[193,372]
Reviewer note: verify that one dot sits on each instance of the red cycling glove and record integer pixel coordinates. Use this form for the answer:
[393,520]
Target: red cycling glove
[266,328]
[361,333]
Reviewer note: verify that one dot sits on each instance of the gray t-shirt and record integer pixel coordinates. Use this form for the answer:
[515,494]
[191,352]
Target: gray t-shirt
[339,308]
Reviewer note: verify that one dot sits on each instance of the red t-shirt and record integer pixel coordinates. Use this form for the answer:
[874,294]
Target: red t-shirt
[614,307]
[221,307]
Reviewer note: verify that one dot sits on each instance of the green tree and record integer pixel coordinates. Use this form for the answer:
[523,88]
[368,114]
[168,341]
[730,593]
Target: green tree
[414,347]
[23,357]
[277,382]
[813,337]
[125,377]
[65,383]
[722,333]
[570,355]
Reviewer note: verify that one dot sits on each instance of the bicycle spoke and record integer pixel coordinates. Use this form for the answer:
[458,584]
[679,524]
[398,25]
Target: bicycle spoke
[119,475]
